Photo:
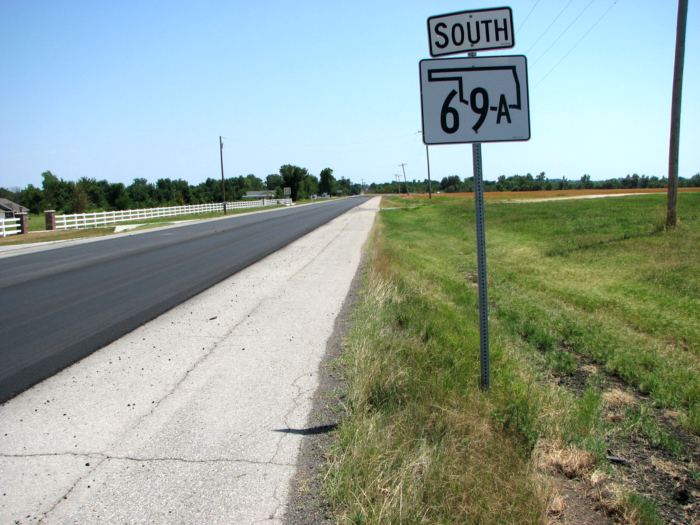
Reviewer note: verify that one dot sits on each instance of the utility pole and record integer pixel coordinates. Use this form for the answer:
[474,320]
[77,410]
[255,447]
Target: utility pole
[671,214]
[427,158]
[397,177]
[430,188]
[404,178]
[223,185]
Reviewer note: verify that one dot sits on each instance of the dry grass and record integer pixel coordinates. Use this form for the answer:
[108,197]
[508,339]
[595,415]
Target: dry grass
[551,456]
[617,398]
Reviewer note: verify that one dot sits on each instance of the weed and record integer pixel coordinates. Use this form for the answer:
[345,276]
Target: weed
[640,420]
[639,510]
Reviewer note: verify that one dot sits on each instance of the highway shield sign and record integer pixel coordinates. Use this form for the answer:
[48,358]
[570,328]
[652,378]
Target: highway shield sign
[480,99]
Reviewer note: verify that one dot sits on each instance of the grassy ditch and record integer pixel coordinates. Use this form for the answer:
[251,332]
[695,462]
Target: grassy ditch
[595,316]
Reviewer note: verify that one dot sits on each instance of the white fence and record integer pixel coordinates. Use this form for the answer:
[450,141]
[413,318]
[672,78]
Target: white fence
[103,218]
[9,226]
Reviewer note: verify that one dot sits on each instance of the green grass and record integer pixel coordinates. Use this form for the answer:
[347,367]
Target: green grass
[640,510]
[60,235]
[597,279]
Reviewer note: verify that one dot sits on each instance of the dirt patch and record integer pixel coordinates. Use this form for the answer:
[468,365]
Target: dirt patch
[662,464]
[306,502]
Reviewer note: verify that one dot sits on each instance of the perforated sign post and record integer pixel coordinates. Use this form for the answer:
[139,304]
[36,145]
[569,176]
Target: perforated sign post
[474,100]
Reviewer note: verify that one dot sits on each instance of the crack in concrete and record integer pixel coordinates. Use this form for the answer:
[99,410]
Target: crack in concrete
[318,254]
[285,418]
[109,457]
[45,515]
[155,405]
[272,517]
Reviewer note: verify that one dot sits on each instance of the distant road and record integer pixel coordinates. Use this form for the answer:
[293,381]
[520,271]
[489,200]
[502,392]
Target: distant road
[60,305]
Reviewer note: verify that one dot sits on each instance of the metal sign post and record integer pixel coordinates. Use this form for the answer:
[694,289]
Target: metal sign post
[481,266]
[485,377]
[474,100]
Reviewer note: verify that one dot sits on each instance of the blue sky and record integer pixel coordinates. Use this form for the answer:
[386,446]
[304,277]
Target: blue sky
[127,89]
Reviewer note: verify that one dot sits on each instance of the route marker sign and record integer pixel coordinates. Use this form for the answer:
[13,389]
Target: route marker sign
[474,30]
[468,100]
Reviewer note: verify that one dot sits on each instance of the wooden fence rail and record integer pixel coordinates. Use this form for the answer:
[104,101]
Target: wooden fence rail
[97,219]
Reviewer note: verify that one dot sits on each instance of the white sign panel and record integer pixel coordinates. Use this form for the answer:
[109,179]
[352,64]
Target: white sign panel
[482,99]
[471,31]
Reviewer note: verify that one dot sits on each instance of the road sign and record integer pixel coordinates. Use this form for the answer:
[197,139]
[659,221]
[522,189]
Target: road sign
[474,30]
[287,191]
[481,99]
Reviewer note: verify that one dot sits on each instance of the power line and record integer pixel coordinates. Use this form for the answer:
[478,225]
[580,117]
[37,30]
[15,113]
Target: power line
[564,32]
[549,26]
[527,17]
[578,42]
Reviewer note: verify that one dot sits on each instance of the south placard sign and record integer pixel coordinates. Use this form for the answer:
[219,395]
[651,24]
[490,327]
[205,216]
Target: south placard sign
[480,99]
[474,30]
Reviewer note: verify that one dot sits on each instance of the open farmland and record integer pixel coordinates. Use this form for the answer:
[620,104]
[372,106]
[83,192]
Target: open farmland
[594,411]
[553,194]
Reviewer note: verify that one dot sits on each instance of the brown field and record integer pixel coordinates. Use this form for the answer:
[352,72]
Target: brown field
[548,194]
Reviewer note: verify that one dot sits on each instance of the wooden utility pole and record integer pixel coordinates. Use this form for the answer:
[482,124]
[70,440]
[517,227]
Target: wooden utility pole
[404,178]
[223,184]
[430,184]
[671,214]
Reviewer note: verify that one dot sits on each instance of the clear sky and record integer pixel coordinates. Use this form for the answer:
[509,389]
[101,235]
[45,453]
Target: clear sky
[127,89]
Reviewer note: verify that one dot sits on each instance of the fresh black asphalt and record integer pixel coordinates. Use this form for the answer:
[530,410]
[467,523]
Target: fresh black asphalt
[58,306]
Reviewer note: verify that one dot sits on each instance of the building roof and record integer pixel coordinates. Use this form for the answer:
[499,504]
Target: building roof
[8,205]
[260,193]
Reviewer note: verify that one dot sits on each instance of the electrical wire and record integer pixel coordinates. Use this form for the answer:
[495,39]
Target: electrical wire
[578,42]
[527,17]
[564,32]
[549,26]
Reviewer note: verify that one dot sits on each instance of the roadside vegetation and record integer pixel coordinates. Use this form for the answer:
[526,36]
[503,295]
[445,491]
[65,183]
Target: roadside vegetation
[90,195]
[529,182]
[595,346]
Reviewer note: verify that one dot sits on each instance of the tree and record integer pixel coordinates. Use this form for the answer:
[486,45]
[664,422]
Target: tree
[344,186]
[117,197]
[293,176]
[273,181]
[253,183]
[80,201]
[95,192]
[30,197]
[58,194]
[141,193]
[327,181]
[585,182]
[451,184]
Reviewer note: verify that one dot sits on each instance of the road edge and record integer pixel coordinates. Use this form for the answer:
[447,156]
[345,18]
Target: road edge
[306,503]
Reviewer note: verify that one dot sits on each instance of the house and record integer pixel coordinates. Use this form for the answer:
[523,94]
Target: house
[263,194]
[9,209]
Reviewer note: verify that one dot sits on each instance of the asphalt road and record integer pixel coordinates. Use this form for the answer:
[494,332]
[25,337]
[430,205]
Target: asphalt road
[59,306]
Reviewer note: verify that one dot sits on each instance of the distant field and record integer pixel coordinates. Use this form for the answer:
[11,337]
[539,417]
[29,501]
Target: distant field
[595,325]
[508,195]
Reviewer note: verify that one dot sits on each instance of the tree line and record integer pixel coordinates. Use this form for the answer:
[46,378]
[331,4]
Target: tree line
[528,182]
[90,194]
